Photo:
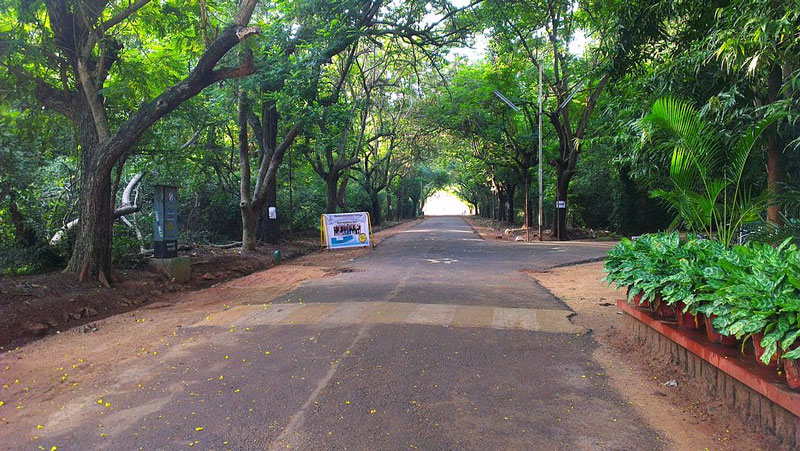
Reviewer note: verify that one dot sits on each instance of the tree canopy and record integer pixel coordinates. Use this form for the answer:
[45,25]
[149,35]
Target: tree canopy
[315,106]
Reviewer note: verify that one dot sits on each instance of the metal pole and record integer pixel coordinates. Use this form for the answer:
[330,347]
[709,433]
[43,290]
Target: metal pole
[527,204]
[541,213]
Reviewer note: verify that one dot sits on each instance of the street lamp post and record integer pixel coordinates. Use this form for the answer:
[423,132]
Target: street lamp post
[541,203]
[527,181]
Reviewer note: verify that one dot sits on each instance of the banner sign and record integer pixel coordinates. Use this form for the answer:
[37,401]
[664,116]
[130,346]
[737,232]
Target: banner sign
[343,230]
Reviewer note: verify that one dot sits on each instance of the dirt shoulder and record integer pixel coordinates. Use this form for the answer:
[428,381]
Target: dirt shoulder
[684,414]
[44,377]
[34,306]
[493,230]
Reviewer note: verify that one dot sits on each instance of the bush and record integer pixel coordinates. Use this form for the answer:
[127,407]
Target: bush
[752,288]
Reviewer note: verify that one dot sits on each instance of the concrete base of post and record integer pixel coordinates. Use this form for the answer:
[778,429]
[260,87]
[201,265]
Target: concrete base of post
[177,269]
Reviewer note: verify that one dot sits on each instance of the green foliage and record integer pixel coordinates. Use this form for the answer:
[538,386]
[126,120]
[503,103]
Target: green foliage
[436,122]
[644,263]
[752,288]
[709,193]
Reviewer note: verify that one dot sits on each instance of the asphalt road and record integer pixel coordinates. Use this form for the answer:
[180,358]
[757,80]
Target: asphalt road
[435,340]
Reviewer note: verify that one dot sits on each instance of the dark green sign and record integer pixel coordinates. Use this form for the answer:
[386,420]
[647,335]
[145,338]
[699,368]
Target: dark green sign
[165,233]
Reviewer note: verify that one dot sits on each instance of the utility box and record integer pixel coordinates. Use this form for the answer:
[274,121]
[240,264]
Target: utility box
[165,234]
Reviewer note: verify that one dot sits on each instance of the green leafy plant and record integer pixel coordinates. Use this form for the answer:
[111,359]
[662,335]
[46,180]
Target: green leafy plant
[708,191]
[760,293]
[687,283]
[747,289]
[643,264]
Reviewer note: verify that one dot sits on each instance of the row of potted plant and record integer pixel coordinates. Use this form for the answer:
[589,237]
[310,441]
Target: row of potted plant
[738,292]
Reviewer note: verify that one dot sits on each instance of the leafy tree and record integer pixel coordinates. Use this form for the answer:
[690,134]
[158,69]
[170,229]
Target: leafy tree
[69,53]
[757,40]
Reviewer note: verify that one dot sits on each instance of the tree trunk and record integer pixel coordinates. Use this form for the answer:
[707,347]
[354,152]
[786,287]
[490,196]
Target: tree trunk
[249,229]
[501,210]
[774,149]
[528,201]
[23,235]
[341,193]
[388,205]
[332,182]
[560,225]
[249,216]
[376,209]
[268,228]
[414,206]
[774,176]
[270,118]
[510,216]
[91,253]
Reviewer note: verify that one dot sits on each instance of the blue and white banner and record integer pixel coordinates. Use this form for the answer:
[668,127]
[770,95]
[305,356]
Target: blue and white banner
[344,230]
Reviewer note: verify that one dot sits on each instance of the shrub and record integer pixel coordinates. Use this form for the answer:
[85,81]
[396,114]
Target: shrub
[749,289]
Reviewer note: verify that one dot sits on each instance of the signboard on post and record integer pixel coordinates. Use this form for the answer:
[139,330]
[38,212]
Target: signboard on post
[165,233]
[344,230]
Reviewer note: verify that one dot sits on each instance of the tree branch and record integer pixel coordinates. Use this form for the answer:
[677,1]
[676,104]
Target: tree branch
[198,79]
[126,207]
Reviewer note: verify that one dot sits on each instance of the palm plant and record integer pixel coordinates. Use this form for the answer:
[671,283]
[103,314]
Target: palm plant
[708,191]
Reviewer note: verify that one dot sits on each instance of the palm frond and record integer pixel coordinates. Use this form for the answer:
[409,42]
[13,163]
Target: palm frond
[740,154]
[707,191]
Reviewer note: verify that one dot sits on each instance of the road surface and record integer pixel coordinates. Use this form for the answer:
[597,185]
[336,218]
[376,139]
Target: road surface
[435,340]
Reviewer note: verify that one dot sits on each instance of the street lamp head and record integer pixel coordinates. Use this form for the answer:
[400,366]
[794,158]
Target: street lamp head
[506,101]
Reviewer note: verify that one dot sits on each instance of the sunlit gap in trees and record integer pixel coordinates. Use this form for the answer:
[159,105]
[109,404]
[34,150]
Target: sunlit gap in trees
[444,203]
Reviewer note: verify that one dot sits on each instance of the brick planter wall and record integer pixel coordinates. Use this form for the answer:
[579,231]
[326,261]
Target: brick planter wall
[733,387]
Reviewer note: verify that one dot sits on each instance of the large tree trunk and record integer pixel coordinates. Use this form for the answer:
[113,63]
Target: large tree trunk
[268,228]
[91,253]
[562,187]
[332,183]
[269,145]
[376,209]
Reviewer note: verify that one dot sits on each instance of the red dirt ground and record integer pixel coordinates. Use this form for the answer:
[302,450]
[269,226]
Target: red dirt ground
[34,306]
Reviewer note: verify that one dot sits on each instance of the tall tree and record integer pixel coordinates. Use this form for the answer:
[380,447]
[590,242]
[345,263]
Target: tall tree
[542,31]
[80,44]
[299,43]
[757,40]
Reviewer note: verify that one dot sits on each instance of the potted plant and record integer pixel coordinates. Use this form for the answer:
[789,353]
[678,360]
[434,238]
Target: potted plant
[686,285]
[652,254]
[762,291]
[622,266]
[758,348]
[791,367]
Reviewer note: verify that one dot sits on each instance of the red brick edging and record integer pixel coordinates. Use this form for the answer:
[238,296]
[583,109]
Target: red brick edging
[730,360]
